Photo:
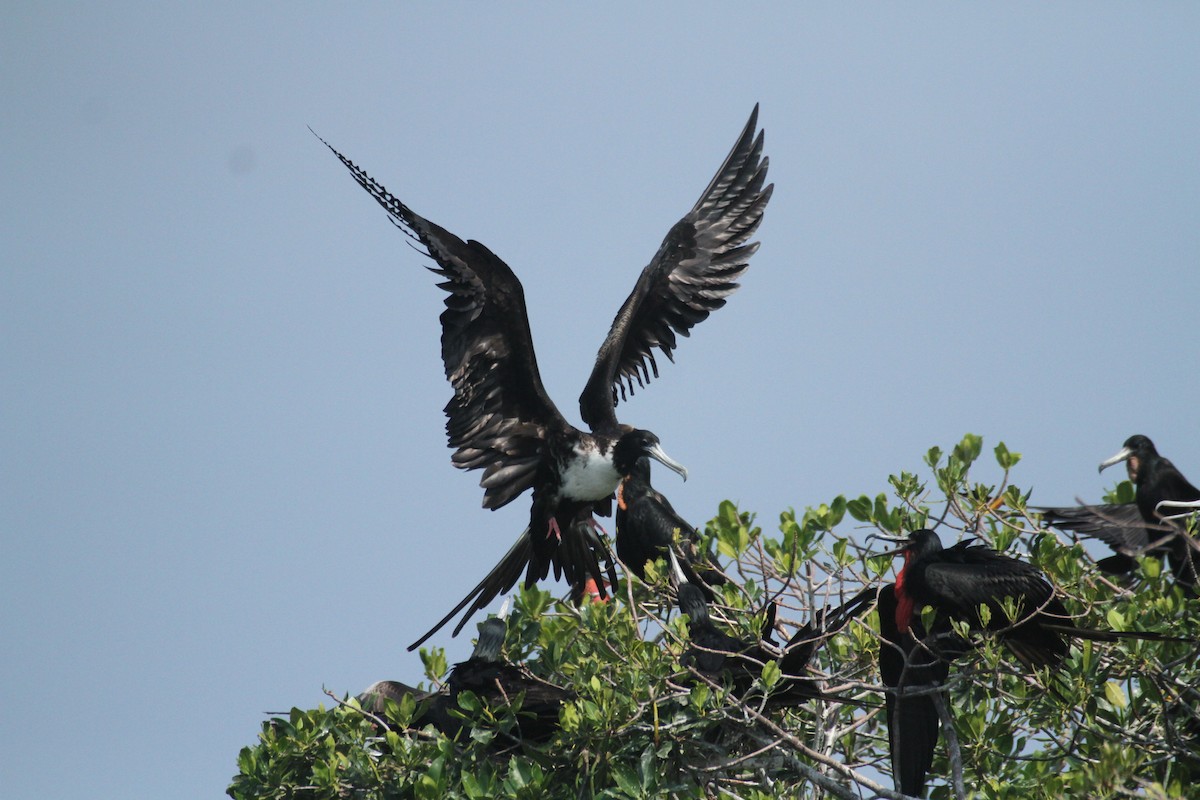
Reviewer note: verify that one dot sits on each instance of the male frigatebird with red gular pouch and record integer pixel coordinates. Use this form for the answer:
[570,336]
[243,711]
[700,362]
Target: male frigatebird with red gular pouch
[957,581]
[501,419]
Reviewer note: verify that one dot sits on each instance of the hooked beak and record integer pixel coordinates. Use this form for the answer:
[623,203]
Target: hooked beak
[658,454]
[1116,459]
[894,552]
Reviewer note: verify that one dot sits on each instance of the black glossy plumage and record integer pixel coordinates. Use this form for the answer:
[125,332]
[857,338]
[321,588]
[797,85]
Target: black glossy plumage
[1138,528]
[648,528]
[958,580]
[492,680]
[715,653]
[1157,480]
[1118,525]
[501,420]
[913,660]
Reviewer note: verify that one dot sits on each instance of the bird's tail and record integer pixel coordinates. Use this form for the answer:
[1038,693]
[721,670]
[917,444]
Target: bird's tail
[503,577]
[1097,635]
[825,623]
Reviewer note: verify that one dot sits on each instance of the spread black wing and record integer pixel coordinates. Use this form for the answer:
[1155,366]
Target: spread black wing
[1118,525]
[692,273]
[497,418]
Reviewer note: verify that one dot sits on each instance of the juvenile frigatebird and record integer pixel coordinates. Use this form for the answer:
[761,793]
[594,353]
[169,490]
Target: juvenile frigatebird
[491,679]
[501,419]
[959,580]
[648,528]
[1146,526]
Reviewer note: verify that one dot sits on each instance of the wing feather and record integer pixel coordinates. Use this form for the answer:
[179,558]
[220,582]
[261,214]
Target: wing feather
[691,275]
[497,419]
[1118,525]
[982,576]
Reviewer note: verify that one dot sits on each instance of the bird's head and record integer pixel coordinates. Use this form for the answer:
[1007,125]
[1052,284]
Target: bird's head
[916,545]
[636,443]
[1134,452]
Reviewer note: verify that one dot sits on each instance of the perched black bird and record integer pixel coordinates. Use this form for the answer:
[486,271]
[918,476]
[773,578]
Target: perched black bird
[1161,488]
[500,418]
[648,528]
[715,653]
[913,660]
[1144,527]
[491,679]
[713,650]
[958,580]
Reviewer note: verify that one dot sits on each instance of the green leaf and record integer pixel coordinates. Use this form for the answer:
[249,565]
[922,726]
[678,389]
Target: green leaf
[839,552]
[434,661]
[1006,459]
[860,508]
[1115,694]
[771,674]
[933,457]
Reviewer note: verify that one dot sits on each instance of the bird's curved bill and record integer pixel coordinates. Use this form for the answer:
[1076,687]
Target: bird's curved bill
[903,540]
[1116,459]
[658,454]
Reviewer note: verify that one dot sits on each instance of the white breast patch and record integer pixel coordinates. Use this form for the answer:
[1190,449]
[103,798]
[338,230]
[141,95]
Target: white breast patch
[591,476]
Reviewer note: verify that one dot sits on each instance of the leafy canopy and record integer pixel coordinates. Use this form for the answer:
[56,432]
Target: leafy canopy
[1117,720]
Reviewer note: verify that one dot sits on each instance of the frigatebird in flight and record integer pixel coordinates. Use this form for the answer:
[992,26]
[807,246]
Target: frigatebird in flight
[648,528]
[1146,526]
[501,419]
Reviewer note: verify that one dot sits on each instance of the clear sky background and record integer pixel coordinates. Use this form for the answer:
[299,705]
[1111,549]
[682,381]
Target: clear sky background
[224,482]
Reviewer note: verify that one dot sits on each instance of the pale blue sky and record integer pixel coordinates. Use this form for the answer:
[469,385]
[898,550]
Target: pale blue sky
[223,476]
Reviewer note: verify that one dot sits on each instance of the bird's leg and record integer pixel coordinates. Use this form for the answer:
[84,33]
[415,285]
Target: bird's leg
[1191,505]
[596,526]
[552,529]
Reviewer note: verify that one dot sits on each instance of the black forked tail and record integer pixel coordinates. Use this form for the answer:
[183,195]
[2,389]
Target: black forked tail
[503,577]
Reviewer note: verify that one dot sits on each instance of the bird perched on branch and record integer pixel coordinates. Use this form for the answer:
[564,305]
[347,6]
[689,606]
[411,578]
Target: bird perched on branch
[958,581]
[491,679]
[502,421]
[1149,525]
[648,529]
[966,583]
[715,653]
